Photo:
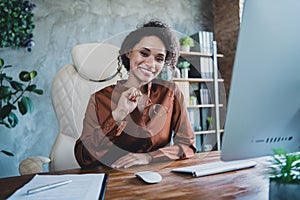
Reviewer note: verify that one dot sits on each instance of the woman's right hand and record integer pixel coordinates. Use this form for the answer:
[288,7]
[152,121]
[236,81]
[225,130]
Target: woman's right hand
[127,103]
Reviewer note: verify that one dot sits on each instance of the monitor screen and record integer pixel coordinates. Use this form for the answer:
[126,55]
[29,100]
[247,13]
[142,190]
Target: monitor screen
[263,111]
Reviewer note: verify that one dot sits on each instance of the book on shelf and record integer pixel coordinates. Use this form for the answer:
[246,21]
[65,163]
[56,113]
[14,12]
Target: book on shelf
[205,96]
[203,66]
[191,116]
[204,114]
[203,42]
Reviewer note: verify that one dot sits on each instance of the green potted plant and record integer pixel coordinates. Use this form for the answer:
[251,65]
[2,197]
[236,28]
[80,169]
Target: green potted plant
[16,31]
[184,66]
[284,175]
[16,24]
[186,42]
[12,95]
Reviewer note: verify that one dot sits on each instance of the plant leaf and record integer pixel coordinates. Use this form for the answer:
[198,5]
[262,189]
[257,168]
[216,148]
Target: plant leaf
[285,166]
[24,76]
[2,76]
[22,107]
[4,123]
[7,66]
[279,151]
[8,78]
[5,110]
[31,87]
[7,153]
[25,105]
[1,63]
[13,119]
[16,85]
[29,104]
[33,74]
[38,91]
[4,92]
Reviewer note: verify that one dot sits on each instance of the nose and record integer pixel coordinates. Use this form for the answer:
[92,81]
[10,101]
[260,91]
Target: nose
[150,61]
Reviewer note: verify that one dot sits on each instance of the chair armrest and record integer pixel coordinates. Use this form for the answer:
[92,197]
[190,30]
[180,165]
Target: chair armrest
[33,165]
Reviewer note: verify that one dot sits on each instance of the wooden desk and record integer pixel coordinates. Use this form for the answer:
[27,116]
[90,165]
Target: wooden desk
[122,184]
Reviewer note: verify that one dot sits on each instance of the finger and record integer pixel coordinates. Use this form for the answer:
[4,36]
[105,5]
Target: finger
[121,162]
[124,164]
[133,98]
[133,162]
[134,93]
[137,160]
[130,164]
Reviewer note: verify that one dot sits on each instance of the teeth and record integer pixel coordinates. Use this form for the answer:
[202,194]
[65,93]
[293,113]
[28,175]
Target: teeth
[146,70]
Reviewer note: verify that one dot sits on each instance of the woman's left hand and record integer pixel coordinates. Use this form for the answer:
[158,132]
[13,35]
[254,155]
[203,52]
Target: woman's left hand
[132,159]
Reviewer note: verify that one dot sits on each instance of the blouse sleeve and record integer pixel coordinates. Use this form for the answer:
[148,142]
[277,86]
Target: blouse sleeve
[183,137]
[95,143]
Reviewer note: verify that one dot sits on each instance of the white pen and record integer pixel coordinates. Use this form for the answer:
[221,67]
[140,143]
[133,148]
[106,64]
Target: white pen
[47,187]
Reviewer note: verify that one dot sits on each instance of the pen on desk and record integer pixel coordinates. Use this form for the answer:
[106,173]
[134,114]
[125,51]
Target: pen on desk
[47,187]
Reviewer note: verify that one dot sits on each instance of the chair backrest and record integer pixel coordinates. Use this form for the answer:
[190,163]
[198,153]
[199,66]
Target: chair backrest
[71,90]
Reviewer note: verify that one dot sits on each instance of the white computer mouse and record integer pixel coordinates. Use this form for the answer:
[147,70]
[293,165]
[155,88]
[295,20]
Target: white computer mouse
[149,176]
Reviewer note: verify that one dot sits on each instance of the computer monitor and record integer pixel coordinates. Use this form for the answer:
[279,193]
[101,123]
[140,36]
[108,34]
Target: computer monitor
[264,101]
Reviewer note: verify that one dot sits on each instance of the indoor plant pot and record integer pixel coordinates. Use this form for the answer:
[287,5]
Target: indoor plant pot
[278,190]
[185,43]
[184,66]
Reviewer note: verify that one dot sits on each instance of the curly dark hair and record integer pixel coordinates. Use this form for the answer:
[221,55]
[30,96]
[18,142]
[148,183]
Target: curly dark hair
[152,28]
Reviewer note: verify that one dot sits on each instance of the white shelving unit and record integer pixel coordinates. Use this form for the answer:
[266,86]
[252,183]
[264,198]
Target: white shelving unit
[215,81]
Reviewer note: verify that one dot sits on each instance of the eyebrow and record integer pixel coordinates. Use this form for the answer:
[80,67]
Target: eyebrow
[148,49]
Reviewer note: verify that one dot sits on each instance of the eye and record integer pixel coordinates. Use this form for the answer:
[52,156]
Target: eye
[160,59]
[144,53]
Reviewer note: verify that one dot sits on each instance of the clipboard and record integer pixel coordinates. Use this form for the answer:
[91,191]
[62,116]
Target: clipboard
[103,188]
[81,186]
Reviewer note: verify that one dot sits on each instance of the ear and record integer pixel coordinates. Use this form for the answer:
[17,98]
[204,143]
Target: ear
[128,54]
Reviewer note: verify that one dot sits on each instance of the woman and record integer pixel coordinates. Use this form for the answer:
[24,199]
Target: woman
[135,121]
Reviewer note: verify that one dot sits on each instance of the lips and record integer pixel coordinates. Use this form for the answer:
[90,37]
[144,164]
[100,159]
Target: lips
[146,72]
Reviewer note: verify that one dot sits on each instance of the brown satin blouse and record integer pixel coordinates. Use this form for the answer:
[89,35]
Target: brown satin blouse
[162,129]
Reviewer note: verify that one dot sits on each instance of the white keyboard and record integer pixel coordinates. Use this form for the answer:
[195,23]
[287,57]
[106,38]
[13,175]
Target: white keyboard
[216,167]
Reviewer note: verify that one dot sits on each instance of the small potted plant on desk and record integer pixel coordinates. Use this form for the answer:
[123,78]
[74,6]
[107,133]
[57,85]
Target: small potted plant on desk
[285,176]
[186,43]
[185,67]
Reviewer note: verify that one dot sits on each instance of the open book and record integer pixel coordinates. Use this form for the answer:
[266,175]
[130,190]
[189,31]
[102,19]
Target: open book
[77,186]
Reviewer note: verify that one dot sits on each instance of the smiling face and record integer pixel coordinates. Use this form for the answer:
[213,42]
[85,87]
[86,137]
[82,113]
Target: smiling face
[146,60]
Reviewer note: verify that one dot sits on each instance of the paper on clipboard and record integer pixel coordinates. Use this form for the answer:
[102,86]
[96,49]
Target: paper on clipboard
[83,186]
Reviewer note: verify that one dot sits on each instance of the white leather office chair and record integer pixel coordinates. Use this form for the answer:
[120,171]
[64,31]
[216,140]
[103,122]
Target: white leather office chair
[95,66]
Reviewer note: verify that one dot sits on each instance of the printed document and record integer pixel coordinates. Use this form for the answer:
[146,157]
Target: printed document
[80,186]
